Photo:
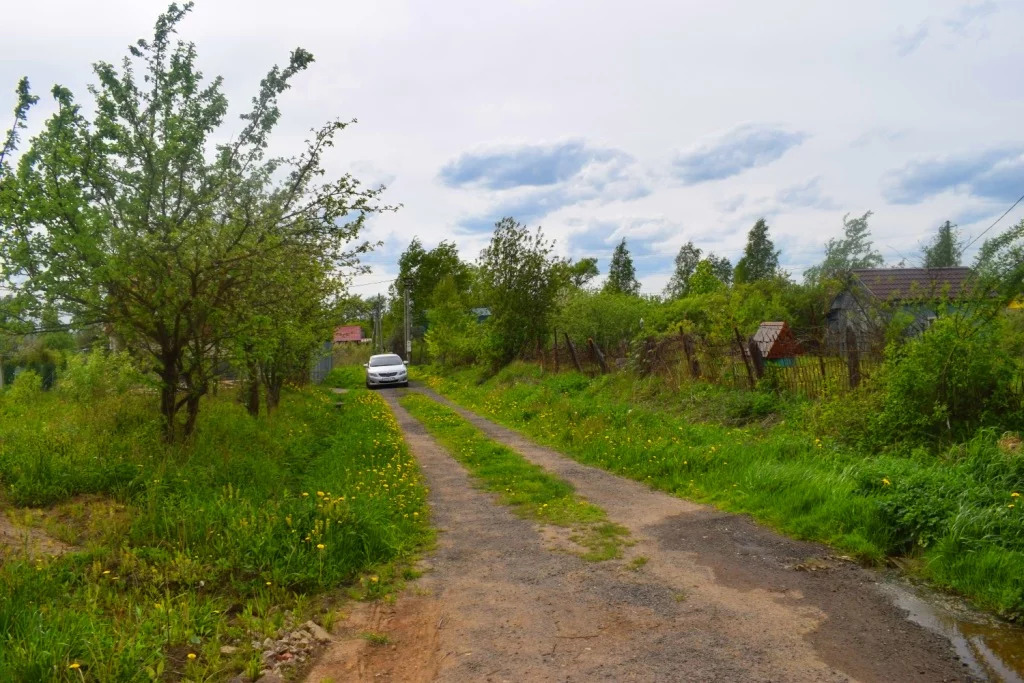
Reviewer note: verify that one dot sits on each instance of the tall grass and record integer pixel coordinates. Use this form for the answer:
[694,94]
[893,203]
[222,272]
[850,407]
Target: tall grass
[212,541]
[954,514]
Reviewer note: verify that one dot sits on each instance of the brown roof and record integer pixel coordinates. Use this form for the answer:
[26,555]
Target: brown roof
[775,340]
[348,333]
[910,283]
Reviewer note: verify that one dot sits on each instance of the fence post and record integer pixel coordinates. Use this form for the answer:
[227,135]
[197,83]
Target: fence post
[743,355]
[572,352]
[596,350]
[756,357]
[691,356]
[853,357]
[556,351]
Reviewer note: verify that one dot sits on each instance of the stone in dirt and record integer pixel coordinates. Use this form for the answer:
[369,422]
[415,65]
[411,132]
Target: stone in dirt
[270,677]
[228,650]
[317,631]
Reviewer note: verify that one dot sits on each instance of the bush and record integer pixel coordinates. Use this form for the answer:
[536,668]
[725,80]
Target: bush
[946,383]
[98,374]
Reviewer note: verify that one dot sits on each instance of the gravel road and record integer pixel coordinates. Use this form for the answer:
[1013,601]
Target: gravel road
[718,599]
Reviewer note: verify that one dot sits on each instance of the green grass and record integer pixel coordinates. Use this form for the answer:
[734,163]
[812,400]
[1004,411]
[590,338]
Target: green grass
[346,377]
[530,490]
[187,548]
[953,514]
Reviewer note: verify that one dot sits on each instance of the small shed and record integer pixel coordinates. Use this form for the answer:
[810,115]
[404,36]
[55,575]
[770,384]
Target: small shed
[776,342]
[348,333]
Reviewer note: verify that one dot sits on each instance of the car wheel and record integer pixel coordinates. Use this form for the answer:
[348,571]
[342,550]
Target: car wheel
[405,384]
[368,386]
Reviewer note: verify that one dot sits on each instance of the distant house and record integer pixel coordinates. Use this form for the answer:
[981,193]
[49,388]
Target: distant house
[348,334]
[873,295]
[481,314]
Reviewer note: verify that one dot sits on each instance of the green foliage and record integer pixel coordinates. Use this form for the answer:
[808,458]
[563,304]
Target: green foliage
[454,337]
[999,266]
[945,249]
[685,265]
[128,212]
[423,271]
[99,375]
[945,383]
[704,281]
[760,259]
[194,546]
[957,512]
[581,272]
[621,273]
[520,279]
[853,250]
[611,319]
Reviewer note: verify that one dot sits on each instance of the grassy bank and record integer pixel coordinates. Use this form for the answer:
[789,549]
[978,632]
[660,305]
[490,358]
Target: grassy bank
[180,550]
[955,516]
[532,491]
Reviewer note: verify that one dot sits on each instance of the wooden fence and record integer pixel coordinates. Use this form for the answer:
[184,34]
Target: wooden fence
[737,363]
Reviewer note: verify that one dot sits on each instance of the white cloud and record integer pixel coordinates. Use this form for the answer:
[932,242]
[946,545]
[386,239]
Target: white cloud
[431,82]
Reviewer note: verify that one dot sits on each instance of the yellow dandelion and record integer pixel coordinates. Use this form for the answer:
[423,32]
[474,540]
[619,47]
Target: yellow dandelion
[191,655]
[305,495]
[374,579]
[1014,495]
[886,481]
[75,665]
[320,546]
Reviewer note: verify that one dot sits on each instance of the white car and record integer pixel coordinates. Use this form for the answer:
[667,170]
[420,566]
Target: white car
[386,369]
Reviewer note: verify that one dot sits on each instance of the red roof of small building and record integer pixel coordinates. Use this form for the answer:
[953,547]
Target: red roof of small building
[776,340]
[348,333]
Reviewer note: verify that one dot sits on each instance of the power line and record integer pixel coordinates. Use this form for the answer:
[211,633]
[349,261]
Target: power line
[379,282]
[1021,199]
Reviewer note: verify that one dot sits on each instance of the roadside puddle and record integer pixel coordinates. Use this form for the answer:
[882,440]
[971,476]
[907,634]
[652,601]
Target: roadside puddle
[992,649]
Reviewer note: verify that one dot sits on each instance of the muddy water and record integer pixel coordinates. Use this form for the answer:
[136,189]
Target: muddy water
[993,650]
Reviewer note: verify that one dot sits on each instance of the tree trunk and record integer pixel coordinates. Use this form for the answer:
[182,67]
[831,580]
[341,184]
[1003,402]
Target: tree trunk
[274,393]
[191,413]
[252,399]
[169,398]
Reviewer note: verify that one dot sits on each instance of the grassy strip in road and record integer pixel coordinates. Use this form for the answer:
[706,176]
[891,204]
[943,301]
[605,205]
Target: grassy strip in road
[183,549]
[529,489]
[957,517]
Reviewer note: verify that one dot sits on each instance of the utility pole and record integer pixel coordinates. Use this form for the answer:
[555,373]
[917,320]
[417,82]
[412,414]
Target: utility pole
[408,327]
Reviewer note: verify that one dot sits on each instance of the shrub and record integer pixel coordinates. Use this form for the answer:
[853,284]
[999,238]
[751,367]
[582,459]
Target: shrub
[945,383]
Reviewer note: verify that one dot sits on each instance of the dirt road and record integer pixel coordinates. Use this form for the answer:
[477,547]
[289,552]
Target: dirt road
[718,599]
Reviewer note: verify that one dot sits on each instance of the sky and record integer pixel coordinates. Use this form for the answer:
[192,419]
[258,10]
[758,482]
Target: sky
[658,122]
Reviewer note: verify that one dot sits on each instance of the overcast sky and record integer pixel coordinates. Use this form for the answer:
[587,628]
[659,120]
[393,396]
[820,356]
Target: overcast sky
[661,122]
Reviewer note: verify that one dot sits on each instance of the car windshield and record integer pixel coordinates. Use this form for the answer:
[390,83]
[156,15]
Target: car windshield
[385,360]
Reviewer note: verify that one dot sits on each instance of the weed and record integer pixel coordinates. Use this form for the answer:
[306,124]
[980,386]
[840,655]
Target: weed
[376,638]
[192,546]
[637,563]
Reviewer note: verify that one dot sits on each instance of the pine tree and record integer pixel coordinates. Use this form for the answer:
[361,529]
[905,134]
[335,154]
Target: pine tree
[621,273]
[946,248]
[760,257]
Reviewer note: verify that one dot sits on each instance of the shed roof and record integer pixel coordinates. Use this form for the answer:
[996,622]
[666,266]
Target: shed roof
[775,340]
[348,333]
[910,283]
